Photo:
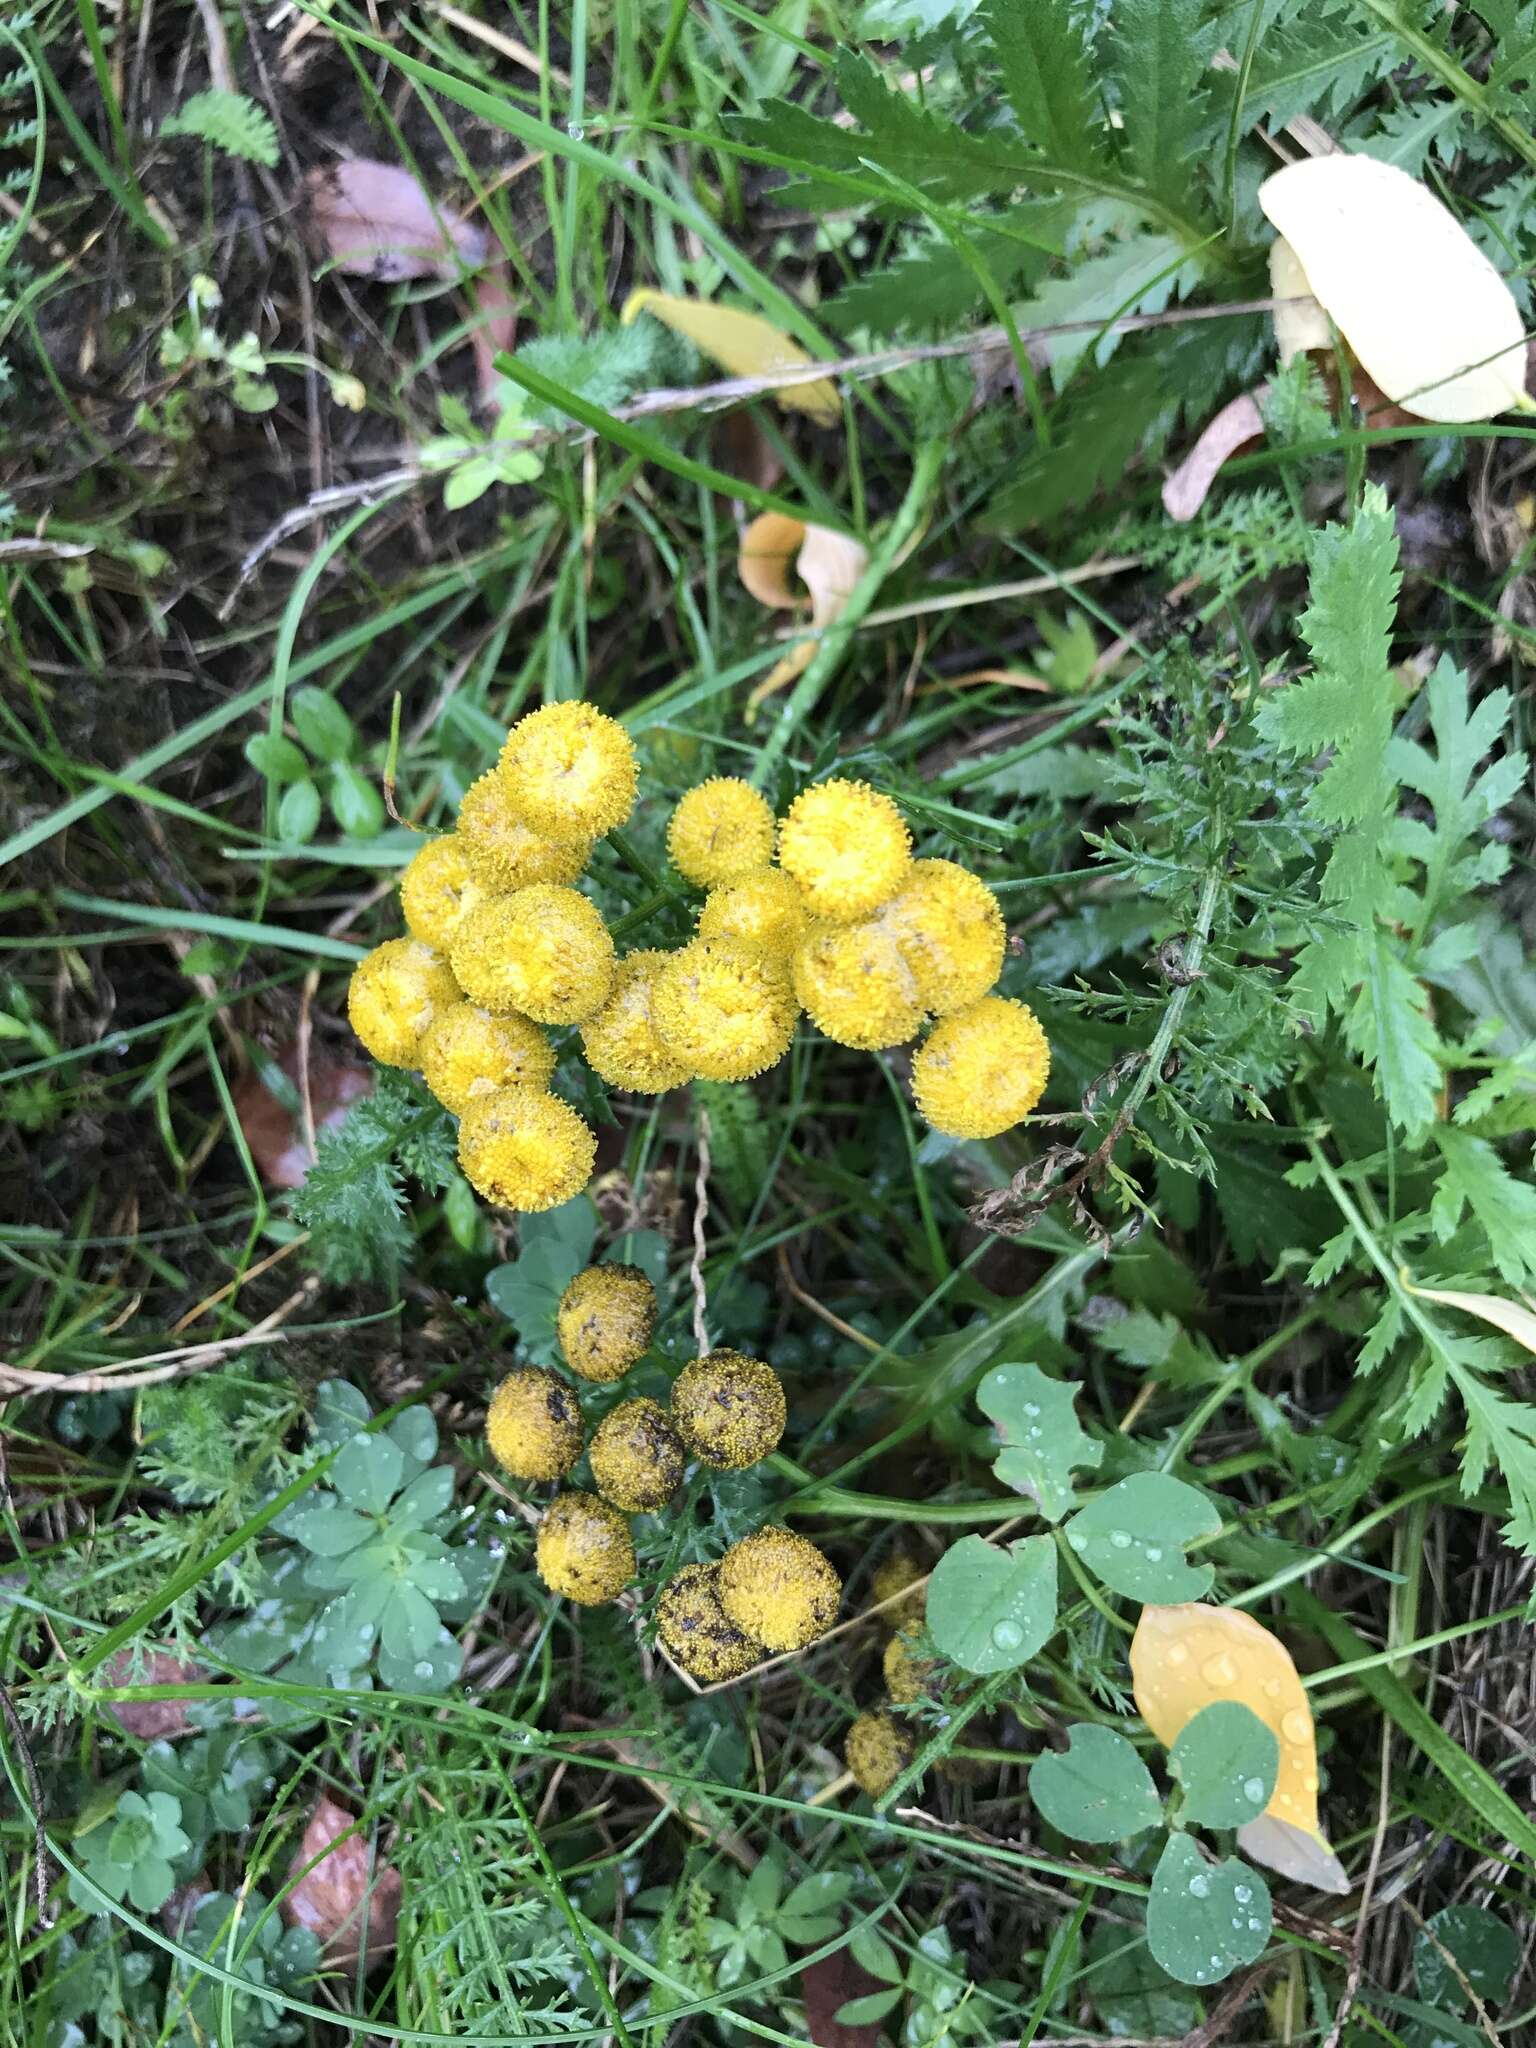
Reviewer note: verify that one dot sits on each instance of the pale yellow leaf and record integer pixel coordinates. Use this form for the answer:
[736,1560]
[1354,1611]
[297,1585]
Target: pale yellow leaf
[1512,1317]
[1302,324]
[1423,309]
[743,344]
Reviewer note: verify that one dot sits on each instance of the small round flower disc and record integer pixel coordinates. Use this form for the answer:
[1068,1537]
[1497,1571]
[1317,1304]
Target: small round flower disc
[1422,307]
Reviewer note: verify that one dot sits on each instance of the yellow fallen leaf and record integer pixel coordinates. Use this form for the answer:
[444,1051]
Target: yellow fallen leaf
[1425,312]
[742,344]
[829,564]
[1515,1319]
[1186,1658]
[1300,325]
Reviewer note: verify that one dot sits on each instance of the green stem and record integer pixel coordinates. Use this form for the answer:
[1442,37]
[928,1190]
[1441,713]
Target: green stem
[927,466]
[1440,64]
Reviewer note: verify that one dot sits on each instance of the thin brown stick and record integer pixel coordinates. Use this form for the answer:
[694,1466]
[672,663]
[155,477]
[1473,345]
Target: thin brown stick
[164,1365]
[700,1216]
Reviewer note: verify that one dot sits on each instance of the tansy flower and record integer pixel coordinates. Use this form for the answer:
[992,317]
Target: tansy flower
[622,1044]
[533,1425]
[950,930]
[524,1150]
[467,1052]
[637,1457]
[436,890]
[847,846]
[908,1676]
[696,1629]
[544,951]
[605,1321]
[720,831]
[584,1551]
[728,1409]
[981,1069]
[894,1574]
[394,994]
[724,1009]
[877,1749]
[856,987]
[502,851]
[570,771]
[778,1587]
[764,908]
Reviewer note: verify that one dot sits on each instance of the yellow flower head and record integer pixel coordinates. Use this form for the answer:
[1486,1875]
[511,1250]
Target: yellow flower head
[950,929]
[436,890]
[878,1749]
[895,1572]
[503,852]
[847,846]
[763,909]
[637,1457]
[778,1587]
[544,952]
[981,1069]
[622,1044]
[724,1009]
[605,1321]
[570,771]
[533,1425]
[584,1552]
[908,1676]
[855,986]
[696,1630]
[729,1410]
[524,1150]
[720,831]
[395,993]
[467,1052]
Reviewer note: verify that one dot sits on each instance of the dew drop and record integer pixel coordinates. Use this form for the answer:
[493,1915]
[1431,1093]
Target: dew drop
[1253,1791]
[1120,1539]
[1273,1688]
[1310,1782]
[1200,1886]
[1219,1671]
[1154,1553]
[1031,1407]
[1296,1726]
[1215,1962]
[1178,1653]
[1077,1540]
[423,1669]
[1256,1925]
[575,130]
[1007,1635]
[1241,1893]
[1034,1429]
[1286,1799]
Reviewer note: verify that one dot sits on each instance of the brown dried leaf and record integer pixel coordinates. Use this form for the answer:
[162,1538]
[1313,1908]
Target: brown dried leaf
[351,1901]
[828,563]
[274,1134]
[1234,427]
[151,1720]
[826,1987]
[374,220]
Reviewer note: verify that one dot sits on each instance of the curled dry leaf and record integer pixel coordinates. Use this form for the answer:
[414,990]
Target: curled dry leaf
[1419,303]
[829,565]
[349,1900]
[743,344]
[374,220]
[1188,1657]
[151,1720]
[274,1134]
[1237,425]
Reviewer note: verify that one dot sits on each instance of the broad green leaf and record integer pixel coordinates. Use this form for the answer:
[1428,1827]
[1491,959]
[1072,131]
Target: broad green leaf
[1482,1948]
[1037,1422]
[1226,1761]
[328,1532]
[870,2009]
[554,1248]
[991,1609]
[274,755]
[298,812]
[1134,1538]
[1098,1790]
[323,727]
[355,802]
[367,1473]
[1205,1920]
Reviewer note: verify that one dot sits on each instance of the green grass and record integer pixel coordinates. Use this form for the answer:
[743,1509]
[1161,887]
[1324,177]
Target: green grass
[1213,1233]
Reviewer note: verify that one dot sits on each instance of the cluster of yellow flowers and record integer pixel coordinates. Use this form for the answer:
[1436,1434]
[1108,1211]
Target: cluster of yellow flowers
[771,1591]
[846,926]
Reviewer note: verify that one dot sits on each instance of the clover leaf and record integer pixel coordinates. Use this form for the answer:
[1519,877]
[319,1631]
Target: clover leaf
[1036,1420]
[991,1609]
[1227,1761]
[1134,1536]
[1205,1920]
[1099,1790]
[134,1858]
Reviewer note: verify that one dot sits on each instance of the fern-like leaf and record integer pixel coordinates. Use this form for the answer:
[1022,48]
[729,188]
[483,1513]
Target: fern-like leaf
[230,122]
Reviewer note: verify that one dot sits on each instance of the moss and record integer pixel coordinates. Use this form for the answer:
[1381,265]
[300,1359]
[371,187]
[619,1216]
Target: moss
[696,1630]
[729,1410]
[720,831]
[982,1069]
[395,993]
[533,1425]
[878,1749]
[778,1587]
[847,846]
[523,1150]
[584,1550]
[467,1052]
[637,1457]
[606,1320]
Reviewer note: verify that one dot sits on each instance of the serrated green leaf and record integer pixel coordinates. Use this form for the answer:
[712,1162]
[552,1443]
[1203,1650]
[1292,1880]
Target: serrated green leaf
[1476,1178]
[1160,67]
[1389,1025]
[1036,1420]
[1226,1762]
[991,1609]
[1134,1537]
[1205,1920]
[1043,55]
[229,121]
[1099,1790]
